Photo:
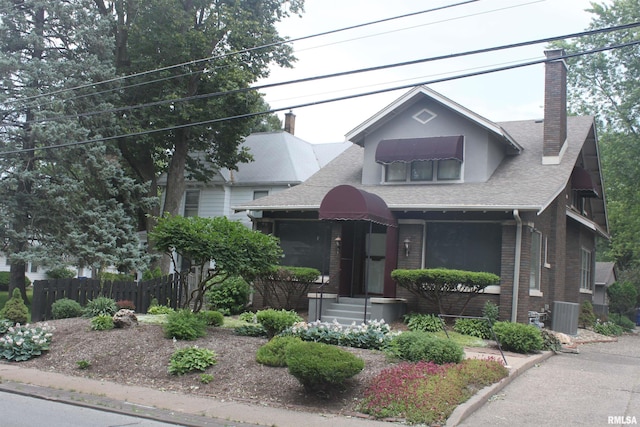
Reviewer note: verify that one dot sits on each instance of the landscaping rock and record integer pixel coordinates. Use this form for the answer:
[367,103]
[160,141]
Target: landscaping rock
[125,319]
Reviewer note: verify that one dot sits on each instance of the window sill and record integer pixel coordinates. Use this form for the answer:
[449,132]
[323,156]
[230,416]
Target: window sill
[586,291]
[535,293]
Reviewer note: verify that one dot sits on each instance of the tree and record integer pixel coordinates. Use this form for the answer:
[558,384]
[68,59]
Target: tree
[605,85]
[48,195]
[215,249]
[159,34]
[622,297]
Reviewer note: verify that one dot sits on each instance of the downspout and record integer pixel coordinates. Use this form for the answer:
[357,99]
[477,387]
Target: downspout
[516,267]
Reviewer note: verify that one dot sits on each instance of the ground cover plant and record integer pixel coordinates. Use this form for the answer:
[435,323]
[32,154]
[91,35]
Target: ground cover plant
[20,343]
[374,335]
[425,392]
[191,359]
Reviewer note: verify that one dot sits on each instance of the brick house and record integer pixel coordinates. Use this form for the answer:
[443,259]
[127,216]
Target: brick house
[429,183]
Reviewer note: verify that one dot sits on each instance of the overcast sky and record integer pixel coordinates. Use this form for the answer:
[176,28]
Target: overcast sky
[506,95]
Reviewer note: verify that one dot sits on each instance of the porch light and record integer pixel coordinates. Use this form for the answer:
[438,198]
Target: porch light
[406,246]
[338,241]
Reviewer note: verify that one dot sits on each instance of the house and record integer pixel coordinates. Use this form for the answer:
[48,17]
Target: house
[606,275]
[429,183]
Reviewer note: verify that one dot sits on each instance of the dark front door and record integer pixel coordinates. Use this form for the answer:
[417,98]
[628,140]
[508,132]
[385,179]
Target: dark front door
[362,258]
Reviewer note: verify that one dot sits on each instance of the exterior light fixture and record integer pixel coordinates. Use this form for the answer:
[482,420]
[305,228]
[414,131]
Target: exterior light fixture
[406,242]
[338,241]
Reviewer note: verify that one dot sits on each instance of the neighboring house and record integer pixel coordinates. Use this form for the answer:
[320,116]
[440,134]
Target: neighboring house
[430,183]
[606,275]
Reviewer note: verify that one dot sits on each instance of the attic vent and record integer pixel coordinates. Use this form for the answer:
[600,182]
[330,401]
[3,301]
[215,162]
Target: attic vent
[424,116]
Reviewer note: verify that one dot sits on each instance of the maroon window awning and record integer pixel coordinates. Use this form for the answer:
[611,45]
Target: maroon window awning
[414,149]
[347,203]
[582,182]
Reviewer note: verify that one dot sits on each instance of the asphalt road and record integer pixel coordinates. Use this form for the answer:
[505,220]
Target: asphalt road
[600,386]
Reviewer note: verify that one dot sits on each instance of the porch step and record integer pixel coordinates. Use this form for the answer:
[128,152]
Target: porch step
[347,311]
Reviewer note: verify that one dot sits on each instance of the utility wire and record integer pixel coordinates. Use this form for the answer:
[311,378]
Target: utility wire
[239,52]
[341,74]
[325,101]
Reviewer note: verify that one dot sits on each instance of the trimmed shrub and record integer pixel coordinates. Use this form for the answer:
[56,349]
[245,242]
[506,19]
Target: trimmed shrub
[160,309]
[15,309]
[274,353]
[5,276]
[518,337]
[60,273]
[66,308]
[100,306]
[229,297]
[276,321]
[256,330]
[191,359]
[321,368]
[423,322]
[422,346]
[212,318]
[473,327]
[185,325]
[102,322]
[283,287]
[587,317]
[107,276]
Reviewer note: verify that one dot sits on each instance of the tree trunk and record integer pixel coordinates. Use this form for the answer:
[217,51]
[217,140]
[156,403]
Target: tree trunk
[17,279]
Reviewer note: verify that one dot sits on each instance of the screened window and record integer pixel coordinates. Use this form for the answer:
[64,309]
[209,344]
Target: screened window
[396,172]
[585,270]
[448,169]
[305,244]
[423,170]
[191,202]
[469,246]
[259,194]
[536,256]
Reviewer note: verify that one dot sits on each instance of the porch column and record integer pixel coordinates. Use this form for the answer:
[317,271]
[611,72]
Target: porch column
[391,262]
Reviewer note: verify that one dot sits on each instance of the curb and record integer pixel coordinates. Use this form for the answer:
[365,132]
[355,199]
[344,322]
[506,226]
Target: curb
[476,401]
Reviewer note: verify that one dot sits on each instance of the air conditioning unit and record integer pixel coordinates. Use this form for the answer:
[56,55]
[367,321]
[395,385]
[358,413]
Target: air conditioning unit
[565,317]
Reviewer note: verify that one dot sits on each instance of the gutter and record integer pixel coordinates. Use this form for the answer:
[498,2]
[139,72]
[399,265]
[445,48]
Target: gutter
[516,267]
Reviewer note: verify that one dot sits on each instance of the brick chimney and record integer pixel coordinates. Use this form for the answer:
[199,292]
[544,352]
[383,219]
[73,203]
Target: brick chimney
[555,108]
[290,123]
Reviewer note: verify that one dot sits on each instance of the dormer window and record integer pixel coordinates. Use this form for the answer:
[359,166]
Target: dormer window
[421,159]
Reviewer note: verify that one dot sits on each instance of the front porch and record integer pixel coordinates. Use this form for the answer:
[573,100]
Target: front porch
[328,307]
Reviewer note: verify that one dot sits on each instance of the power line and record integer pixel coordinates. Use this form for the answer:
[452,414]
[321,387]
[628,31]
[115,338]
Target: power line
[326,101]
[224,55]
[345,73]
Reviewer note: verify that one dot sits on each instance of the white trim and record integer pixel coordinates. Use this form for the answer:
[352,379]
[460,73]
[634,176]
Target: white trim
[587,223]
[555,160]
[493,290]
[535,293]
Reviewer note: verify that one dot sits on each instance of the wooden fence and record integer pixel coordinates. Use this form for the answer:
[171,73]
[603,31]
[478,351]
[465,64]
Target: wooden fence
[166,290]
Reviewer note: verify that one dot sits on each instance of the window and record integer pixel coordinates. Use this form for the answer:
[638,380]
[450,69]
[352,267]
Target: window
[464,246]
[191,202]
[259,194]
[585,270]
[305,244]
[536,255]
[423,170]
[33,268]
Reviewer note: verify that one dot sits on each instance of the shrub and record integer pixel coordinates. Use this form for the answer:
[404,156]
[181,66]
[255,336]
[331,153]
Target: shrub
[191,359]
[107,276]
[251,331]
[160,309]
[83,364]
[102,322]
[623,321]
[518,337]
[374,335]
[587,317]
[15,309]
[283,287]
[24,342]
[607,328]
[276,321]
[274,353]
[491,311]
[321,367]
[623,297]
[185,325]
[60,273]
[229,297]
[422,346]
[126,305]
[473,327]
[423,322]
[212,318]
[5,276]
[100,306]
[66,308]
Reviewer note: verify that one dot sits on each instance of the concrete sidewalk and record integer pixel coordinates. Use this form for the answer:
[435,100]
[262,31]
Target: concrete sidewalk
[197,411]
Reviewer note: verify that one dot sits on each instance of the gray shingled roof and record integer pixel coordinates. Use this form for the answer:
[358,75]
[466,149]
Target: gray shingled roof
[520,182]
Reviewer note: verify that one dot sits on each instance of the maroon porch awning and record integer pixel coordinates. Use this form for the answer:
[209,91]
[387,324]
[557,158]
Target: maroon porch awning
[345,203]
[414,149]
[582,182]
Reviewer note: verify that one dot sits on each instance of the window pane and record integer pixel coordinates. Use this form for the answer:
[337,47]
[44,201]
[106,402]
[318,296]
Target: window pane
[534,274]
[449,169]
[260,193]
[396,171]
[471,247]
[191,201]
[305,244]
[422,170]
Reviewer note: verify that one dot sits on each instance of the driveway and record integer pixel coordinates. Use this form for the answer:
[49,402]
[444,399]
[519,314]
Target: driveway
[600,386]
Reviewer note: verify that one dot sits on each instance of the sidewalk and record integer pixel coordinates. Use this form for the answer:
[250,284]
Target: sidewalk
[197,411]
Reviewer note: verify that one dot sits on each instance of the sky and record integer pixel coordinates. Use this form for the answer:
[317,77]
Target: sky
[507,95]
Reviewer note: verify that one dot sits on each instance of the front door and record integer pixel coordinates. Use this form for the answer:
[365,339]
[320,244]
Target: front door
[362,258]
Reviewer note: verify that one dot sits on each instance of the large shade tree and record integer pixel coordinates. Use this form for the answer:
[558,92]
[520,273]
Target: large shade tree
[605,85]
[59,205]
[160,34]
